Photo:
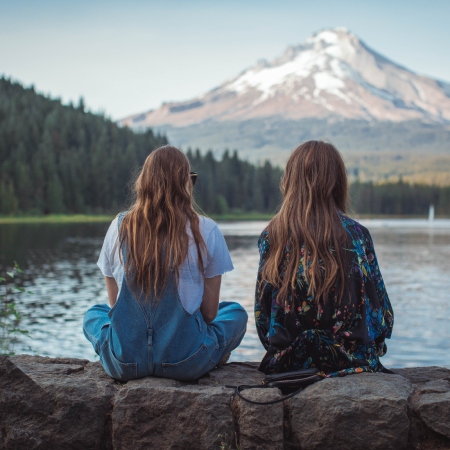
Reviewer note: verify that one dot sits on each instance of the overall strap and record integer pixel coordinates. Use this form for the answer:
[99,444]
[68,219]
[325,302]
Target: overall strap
[120,217]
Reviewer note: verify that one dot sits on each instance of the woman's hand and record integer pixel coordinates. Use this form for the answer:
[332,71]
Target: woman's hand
[112,289]
[210,302]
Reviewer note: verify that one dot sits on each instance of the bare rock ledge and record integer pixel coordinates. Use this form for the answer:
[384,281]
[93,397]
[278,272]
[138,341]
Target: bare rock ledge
[65,403]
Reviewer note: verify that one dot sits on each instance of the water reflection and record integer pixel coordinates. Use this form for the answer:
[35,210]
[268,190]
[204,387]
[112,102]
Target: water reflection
[60,267]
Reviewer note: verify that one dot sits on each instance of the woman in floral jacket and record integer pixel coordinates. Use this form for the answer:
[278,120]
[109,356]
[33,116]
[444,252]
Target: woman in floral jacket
[320,297]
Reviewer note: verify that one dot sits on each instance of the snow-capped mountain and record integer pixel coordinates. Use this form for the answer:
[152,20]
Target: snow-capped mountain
[333,75]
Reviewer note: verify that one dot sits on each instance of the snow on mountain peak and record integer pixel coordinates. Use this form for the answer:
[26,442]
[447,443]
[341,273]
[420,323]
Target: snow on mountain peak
[339,38]
[329,36]
[333,73]
[317,59]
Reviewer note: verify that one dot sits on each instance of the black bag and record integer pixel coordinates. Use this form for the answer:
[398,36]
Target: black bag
[290,384]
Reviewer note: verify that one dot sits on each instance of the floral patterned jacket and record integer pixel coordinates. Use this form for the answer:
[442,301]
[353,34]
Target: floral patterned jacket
[343,339]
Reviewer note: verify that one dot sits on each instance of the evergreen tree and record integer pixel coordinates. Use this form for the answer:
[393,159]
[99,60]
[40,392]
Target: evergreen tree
[8,199]
[54,200]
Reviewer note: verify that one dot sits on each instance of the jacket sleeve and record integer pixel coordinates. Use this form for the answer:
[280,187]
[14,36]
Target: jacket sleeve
[263,295]
[385,313]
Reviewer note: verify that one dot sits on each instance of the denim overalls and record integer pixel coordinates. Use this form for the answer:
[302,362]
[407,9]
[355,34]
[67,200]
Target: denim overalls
[141,337]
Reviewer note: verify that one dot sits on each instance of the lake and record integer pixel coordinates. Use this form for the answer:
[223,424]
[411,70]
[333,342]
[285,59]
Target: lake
[59,261]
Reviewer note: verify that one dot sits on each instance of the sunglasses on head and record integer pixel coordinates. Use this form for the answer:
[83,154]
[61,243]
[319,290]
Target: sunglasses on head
[193,176]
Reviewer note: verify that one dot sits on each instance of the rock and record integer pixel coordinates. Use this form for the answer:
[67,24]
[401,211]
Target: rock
[430,406]
[260,426]
[420,375]
[53,403]
[25,409]
[65,403]
[233,374]
[358,412]
[148,414]
[434,410]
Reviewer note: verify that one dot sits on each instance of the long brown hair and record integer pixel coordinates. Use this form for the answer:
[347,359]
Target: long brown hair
[314,188]
[154,230]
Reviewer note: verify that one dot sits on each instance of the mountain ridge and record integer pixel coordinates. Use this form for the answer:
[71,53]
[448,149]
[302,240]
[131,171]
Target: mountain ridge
[333,75]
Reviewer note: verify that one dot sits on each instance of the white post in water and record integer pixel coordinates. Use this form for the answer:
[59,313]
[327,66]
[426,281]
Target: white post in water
[431,213]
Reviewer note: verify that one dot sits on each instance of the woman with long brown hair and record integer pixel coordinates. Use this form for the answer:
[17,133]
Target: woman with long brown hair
[163,265]
[320,297]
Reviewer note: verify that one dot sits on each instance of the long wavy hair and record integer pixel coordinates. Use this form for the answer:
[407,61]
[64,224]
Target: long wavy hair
[154,230]
[315,189]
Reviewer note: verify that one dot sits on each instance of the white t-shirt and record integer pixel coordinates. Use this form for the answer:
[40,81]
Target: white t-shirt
[190,285]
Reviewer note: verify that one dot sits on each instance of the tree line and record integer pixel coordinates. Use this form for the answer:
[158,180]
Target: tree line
[399,198]
[234,185]
[57,158]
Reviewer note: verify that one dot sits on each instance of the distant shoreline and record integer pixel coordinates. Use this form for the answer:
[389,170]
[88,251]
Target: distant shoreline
[86,218]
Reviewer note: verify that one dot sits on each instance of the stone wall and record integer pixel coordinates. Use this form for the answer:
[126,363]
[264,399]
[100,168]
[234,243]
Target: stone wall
[63,403]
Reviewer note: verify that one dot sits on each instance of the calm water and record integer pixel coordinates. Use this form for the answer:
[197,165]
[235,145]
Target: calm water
[60,265]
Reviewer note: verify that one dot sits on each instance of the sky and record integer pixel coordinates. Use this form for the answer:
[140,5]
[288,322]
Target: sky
[126,57]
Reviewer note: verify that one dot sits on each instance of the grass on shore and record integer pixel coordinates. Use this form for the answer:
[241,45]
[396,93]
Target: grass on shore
[86,218]
[56,218]
[241,216]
